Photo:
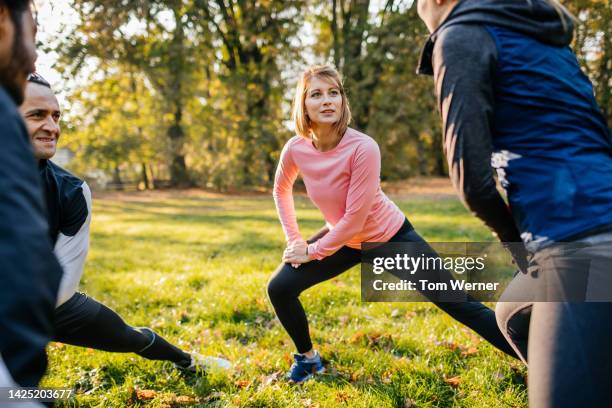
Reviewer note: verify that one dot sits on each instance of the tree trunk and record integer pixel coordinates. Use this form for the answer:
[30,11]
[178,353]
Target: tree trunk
[605,66]
[422,157]
[145,177]
[440,160]
[152,173]
[178,169]
[117,182]
[335,36]
[179,176]
[438,153]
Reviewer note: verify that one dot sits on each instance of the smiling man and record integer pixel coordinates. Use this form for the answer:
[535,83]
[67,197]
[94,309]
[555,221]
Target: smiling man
[68,198]
[80,320]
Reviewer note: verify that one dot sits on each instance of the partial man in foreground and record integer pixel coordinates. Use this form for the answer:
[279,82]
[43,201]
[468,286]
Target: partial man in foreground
[513,97]
[29,273]
[80,320]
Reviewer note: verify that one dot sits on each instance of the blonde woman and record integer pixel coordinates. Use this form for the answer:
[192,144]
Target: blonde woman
[341,170]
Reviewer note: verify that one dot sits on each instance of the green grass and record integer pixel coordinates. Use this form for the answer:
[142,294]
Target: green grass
[195,269]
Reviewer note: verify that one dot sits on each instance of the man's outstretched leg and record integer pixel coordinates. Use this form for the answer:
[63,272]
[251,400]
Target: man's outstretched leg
[82,321]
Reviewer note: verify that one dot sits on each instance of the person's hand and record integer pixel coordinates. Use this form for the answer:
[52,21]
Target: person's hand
[296,253]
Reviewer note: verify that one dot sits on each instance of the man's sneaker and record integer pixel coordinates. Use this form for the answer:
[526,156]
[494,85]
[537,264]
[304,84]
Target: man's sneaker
[199,362]
[305,368]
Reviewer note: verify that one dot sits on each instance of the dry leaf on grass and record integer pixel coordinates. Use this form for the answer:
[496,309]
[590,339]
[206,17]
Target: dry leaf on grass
[270,379]
[185,400]
[145,395]
[356,375]
[498,376]
[453,381]
[342,397]
[309,404]
[469,351]
[410,315]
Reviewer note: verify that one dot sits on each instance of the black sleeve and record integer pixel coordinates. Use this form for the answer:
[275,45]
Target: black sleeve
[74,211]
[29,273]
[464,59]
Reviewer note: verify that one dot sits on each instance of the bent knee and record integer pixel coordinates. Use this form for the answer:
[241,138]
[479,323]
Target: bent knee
[277,289]
[513,318]
[280,285]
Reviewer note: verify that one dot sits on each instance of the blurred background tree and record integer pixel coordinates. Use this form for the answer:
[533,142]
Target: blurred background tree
[198,92]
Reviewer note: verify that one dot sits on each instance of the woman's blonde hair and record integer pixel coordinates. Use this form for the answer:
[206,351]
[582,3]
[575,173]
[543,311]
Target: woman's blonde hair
[300,117]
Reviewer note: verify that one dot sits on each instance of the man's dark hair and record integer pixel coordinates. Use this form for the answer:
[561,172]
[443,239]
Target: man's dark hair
[36,78]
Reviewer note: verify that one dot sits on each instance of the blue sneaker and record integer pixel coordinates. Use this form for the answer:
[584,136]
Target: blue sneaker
[305,368]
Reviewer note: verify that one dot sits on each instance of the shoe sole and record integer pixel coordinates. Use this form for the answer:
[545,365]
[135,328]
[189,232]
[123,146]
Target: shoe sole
[309,376]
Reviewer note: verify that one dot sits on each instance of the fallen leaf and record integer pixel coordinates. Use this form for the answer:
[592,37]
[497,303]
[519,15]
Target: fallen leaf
[288,358]
[453,381]
[386,376]
[309,404]
[469,351]
[448,344]
[185,399]
[342,397]
[395,313]
[272,378]
[213,397]
[355,375]
[409,403]
[145,395]
[242,383]
[357,337]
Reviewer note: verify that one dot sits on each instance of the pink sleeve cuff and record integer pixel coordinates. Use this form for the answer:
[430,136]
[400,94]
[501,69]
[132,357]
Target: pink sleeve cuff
[312,251]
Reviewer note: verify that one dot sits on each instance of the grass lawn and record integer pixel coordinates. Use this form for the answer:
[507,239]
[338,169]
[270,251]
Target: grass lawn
[194,267]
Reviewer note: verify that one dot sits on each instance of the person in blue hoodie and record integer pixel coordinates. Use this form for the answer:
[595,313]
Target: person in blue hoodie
[29,273]
[513,98]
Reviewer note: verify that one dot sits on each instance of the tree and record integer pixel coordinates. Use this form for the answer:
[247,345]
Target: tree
[109,127]
[153,37]
[593,46]
[253,37]
[377,52]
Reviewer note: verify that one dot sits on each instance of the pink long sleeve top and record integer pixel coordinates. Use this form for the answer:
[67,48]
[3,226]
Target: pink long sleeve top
[344,183]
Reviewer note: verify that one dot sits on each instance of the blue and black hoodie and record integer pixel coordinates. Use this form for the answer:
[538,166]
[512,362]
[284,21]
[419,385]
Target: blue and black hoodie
[512,96]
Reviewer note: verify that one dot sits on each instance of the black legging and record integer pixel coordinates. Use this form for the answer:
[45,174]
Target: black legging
[559,317]
[82,321]
[287,283]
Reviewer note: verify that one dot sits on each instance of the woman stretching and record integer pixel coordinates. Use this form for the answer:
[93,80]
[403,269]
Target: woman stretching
[341,170]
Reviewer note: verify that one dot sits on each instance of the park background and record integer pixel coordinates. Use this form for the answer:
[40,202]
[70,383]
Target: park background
[185,105]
